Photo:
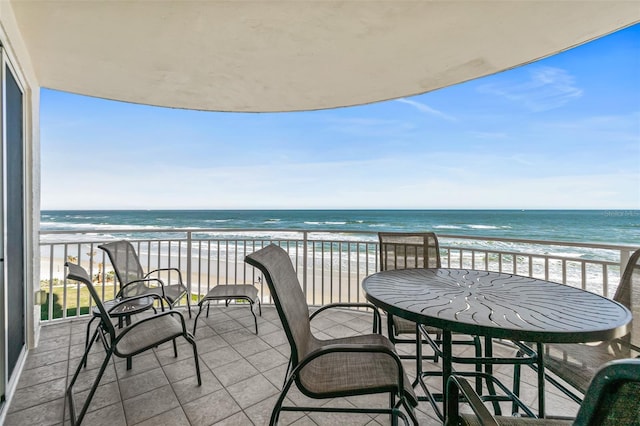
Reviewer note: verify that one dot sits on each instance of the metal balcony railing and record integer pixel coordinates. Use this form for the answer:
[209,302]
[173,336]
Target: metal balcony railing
[330,265]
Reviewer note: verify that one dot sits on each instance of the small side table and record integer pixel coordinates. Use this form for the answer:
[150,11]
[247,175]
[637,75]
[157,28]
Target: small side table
[230,292]
[126,308]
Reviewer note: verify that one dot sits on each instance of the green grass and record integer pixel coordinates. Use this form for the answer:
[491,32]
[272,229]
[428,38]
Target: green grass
[72,300]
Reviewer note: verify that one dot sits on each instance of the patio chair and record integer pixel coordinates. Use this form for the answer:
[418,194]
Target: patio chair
[136,338]
[357,365]
[134,281]
[612,399]
[577,363]
[402,250]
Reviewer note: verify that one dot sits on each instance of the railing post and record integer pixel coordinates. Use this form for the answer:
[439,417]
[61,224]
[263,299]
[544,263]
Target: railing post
[189,265]
[304,262]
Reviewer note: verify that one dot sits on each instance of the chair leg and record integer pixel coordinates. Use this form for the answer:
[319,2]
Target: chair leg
[516,383]
[189,304]
[276,409]
[78,420]
[195,356]
[89,343]
[390,331]
[195,322]
[259,306]
[488,352]
[175,349]
[255,319]
[476,342]
[392,405]
[410,411]
[286,374]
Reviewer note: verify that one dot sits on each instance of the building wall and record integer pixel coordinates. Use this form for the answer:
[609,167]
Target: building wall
[20,59]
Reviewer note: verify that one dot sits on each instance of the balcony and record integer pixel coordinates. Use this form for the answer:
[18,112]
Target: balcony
[241,372]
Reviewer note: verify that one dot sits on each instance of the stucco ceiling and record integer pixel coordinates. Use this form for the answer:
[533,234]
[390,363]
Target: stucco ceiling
[294,55]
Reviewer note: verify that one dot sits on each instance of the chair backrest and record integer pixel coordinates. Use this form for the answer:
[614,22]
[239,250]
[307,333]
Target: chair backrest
[613,397]
[628,293]
[276,266]
[401,250]
[126,264]
[78,273]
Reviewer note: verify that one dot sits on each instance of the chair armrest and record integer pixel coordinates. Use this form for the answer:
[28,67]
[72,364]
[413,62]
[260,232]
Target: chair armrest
[166,269]
[457,384]
[377,319]
[147,280]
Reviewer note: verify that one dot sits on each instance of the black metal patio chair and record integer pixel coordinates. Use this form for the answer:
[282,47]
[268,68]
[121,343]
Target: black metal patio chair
[577,363]
[611,399]
[131,340]
[405,250]
[134,281]
[357,365]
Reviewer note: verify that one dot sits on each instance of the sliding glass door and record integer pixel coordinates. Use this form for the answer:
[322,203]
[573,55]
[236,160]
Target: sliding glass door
[12,222]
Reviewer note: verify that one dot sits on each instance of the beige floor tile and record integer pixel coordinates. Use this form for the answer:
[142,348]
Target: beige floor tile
[150,404]
[252,390]
[211,408]
[49,413]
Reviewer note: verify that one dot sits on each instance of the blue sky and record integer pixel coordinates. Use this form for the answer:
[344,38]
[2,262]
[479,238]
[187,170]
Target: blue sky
[560,133]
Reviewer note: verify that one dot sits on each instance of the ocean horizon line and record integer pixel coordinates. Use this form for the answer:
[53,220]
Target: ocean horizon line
[347,209]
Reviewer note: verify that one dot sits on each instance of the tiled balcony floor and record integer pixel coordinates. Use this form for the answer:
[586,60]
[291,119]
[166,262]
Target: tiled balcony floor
[241,377]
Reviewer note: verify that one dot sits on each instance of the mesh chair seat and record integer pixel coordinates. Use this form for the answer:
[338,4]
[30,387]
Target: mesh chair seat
[172,292]
[625,408]
[146,333]
[404,326]
[576,364]
[351,373]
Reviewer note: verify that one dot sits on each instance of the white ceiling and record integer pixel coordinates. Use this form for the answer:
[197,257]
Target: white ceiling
[294,55]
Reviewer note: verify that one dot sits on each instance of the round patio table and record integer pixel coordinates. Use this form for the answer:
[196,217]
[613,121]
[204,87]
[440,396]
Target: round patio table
[497,305]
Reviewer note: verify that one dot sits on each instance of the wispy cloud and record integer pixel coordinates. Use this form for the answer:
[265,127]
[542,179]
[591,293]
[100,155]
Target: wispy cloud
[547,88]
[426,109]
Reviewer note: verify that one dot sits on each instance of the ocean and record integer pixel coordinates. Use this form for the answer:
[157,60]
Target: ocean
[584,226]
[238,227]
